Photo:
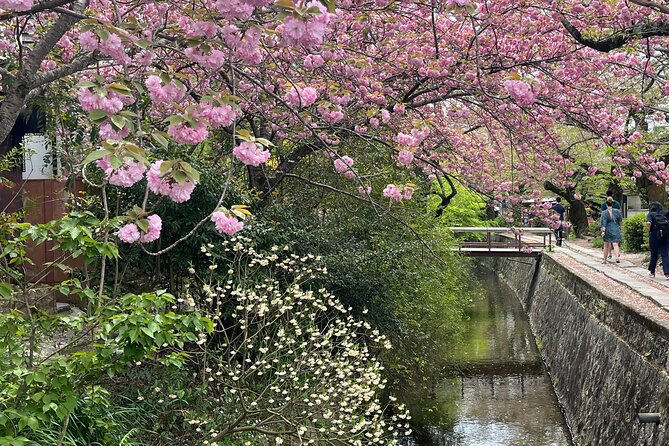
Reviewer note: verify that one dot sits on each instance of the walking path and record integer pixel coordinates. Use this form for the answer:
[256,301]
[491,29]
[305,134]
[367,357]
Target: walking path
[625,273]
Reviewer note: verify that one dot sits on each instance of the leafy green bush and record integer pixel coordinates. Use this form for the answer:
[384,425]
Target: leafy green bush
[635,238]
[594,228]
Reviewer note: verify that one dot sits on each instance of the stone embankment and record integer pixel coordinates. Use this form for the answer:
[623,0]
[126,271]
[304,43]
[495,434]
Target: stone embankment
[605,345]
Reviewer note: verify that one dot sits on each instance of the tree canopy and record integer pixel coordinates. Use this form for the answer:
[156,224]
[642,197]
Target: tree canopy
[473,92]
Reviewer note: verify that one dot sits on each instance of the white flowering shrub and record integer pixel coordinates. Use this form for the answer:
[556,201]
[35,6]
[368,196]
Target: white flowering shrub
[287,365]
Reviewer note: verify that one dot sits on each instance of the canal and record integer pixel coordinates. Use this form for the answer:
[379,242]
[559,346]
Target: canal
[495,390]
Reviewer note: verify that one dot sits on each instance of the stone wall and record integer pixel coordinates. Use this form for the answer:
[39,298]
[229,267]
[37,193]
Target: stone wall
[607,362]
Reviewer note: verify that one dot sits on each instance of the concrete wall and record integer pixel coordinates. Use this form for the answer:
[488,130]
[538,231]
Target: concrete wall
[606,361]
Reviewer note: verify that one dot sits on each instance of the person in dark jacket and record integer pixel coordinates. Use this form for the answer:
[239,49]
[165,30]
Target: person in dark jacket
[659,246]
[616,204]
[559,208]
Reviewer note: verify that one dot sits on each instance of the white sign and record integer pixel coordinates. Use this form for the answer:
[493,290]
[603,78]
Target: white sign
[37,158]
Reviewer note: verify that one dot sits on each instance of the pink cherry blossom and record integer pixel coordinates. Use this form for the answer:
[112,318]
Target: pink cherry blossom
[167,186]
[128,174]
[16,5]
[301,97]
[155,225]
[185,134]
[250,154]
[391,191]
[180,193]
[364,190]
[128,233]
[343,164]
[167,93]
[520,91]
[404,157]
[227,224]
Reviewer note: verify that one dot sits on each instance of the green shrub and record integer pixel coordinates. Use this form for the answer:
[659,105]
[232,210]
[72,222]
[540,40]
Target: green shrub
[594,228]
[635,238]
[598,243]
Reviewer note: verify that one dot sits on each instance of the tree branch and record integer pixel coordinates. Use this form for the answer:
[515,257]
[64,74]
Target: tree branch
[620,38]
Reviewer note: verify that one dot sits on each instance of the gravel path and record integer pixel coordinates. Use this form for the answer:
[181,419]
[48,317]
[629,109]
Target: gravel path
[619,289]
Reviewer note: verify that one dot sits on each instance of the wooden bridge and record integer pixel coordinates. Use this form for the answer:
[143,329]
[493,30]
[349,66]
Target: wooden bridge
[505,242]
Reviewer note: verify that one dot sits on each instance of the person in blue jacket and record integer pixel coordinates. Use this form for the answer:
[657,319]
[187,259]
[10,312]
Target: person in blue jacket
[612,220]
[616,205]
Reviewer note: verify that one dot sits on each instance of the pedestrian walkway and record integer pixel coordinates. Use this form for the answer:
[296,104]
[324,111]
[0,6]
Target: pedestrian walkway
[625,272]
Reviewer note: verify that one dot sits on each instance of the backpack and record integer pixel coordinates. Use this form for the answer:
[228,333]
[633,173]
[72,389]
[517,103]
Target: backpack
[661,225]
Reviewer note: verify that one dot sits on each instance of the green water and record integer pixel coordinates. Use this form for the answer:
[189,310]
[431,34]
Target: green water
[495,391]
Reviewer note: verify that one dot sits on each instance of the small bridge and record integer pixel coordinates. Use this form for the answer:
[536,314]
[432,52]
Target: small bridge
[505,242]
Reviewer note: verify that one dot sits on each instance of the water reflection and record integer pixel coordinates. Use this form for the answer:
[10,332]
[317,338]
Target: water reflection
[498,392]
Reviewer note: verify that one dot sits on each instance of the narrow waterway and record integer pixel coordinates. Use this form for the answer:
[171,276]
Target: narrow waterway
[496,391]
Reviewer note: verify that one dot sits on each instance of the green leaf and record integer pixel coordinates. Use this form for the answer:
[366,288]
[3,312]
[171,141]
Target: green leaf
[189,171]
[98,116]
[96,155]
[165,167]
[245,135]
[102,34]
[160,139]
[115,161]
[143,225]
[265,142]
[142,43]
[179,176]
[5,290]
[86,84]
[120,89]
[118,122]
[286,4]
[330,4]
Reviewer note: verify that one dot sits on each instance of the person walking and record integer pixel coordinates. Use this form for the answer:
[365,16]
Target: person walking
[658,227]
[611,221]
[559,208]
[616,205]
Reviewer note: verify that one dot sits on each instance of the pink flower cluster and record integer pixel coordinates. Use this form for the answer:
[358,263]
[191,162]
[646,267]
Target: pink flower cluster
[185,134]
[217,116]
[16,5]
[107,131]
[167,186]
[343,164]
[167,93]
[301,97]
[308,32]
[520,91]
[125,176]
[391,191]
[112,103]
[234,9]
[413,139]
[112,46]
[404,157]
[364,190]
[227,224]
[212,59]
[332,114]
[130,233]
[250,154]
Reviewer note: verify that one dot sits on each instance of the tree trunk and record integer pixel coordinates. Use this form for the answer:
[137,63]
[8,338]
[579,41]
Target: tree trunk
[578,217]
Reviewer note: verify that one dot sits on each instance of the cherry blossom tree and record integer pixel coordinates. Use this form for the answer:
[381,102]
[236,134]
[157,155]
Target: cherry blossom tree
[474,92]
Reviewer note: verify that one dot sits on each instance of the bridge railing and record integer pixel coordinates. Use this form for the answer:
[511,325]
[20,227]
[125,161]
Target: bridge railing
[521,241]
